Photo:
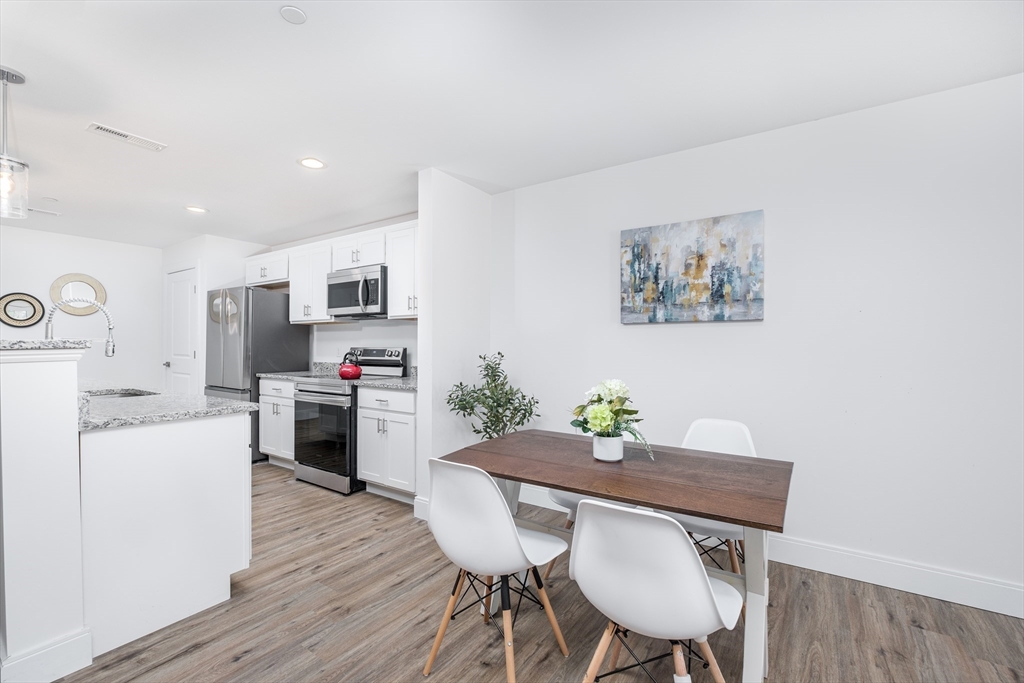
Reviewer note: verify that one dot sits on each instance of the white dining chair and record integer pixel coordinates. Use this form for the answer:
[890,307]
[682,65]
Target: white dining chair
[570,501]
[473,526]
[718,436]
[641,570]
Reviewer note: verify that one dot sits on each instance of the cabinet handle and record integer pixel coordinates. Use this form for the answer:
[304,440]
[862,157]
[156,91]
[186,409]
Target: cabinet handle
[381,400]
[378,425]
[409,303]
[357,256]
[278,389]
[416,303]
[352,258]
[385,425]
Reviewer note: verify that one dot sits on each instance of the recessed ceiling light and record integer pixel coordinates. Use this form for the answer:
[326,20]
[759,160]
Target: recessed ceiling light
[293,15]
[310,162]
[196,209]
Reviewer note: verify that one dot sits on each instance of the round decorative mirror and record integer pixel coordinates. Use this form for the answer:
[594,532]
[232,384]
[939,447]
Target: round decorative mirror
[81,286]
[20,310]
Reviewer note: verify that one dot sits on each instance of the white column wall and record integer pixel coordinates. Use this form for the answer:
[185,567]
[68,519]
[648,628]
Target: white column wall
[453,281]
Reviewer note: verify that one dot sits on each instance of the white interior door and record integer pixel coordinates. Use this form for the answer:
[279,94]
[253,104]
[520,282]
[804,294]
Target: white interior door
[181,331]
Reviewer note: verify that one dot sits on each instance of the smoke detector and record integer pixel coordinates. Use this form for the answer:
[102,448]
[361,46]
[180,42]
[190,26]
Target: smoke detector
[108,132]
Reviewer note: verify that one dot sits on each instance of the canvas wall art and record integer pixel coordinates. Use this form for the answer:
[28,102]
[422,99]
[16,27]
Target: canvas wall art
[704,270]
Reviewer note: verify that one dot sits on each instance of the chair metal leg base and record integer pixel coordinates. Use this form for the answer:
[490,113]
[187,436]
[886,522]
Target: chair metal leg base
[620,634]
[508,615]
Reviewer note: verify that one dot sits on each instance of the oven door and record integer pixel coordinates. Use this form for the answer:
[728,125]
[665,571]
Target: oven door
[325,441]
[358,292]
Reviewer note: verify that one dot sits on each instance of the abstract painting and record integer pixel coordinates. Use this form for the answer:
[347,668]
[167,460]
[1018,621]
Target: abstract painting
[703,270]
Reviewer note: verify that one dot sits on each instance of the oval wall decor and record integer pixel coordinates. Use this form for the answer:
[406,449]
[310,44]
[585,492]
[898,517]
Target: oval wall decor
[78,285]
[18,309]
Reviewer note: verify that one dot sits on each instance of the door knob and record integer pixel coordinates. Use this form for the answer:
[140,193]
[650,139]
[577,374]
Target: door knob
[167,363]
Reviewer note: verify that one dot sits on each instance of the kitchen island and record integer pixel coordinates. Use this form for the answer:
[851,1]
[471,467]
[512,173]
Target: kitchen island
[166,489]
[123,509]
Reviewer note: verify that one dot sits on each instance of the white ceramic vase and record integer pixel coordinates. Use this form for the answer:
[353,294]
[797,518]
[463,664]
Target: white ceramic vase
[608,448]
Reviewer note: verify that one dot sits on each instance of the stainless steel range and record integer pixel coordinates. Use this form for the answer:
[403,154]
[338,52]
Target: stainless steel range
[325,420]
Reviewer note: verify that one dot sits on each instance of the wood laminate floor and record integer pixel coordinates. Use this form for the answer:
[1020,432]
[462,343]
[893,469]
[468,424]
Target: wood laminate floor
[353,588]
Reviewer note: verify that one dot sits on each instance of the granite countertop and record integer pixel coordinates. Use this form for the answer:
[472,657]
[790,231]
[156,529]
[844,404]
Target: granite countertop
[400,383]
[104,406]
[36,344]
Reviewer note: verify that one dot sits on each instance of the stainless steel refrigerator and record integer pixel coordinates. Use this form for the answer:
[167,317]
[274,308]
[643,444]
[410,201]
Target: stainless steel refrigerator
[247,331]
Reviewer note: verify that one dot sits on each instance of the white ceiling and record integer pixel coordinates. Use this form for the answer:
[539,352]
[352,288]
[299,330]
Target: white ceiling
[502,94]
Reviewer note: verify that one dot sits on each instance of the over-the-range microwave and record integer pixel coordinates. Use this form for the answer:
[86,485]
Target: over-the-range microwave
[358,292]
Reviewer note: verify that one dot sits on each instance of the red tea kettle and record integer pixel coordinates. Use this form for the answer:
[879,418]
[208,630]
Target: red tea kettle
[350,370]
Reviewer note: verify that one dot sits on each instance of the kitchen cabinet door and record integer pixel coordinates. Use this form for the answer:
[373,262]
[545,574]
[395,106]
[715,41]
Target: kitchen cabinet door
[269,428]
[285,429]
[298,286]
[401,262]
[307,301]
[400,436]
[266,269]
[370,456]
[370,249]
[355,251]
[319,267]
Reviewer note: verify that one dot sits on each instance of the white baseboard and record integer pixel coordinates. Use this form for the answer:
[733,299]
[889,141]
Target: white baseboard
[51,662]
[283,463]
[384,491]
[944,584]
[537,495]
[420,506]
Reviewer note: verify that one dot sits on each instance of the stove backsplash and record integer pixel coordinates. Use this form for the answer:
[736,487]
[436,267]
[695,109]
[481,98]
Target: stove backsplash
[322,368]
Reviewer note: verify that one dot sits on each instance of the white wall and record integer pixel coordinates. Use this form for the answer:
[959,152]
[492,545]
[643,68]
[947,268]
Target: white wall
[331,342]
[220,262]
[452,279]
[30,260]
[888,367]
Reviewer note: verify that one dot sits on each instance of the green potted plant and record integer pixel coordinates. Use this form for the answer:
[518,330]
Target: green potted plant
[500,407]
[606,416]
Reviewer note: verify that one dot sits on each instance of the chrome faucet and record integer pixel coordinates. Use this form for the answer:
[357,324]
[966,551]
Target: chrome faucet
[109,350]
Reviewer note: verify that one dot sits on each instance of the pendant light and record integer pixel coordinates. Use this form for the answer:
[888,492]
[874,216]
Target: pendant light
[13,172]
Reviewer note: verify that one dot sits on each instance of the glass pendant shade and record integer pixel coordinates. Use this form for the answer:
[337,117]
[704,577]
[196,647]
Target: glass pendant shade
[13,188]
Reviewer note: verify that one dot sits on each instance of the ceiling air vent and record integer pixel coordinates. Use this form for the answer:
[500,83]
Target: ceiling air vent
[108,132]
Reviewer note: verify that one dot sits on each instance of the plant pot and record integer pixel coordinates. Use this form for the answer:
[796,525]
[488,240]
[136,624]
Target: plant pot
[608,448]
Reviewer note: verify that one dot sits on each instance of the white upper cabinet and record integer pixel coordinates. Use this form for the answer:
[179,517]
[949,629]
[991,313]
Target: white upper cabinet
[365,249]
[266,269]
[401,262]
[308,268]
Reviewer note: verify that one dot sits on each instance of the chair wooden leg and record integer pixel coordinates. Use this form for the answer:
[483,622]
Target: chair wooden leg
[543,594]
[506,619]
[602,650]
[444,621]
[551,564]
[616,650]
[734,559]
[716,673]
[488,581]
[679,660]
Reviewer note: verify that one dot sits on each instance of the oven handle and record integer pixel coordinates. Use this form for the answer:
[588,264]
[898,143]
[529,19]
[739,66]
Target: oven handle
[362,281]
[343,401]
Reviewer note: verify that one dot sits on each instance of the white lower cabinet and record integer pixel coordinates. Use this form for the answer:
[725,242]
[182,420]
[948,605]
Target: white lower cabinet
[386,447]
[277,427]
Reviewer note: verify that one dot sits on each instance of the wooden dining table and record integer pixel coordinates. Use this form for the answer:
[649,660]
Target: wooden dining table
[749,492]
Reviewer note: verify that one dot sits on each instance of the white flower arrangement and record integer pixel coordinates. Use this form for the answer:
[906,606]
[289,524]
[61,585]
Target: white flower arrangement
[605,413]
